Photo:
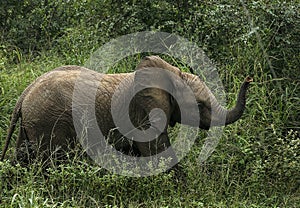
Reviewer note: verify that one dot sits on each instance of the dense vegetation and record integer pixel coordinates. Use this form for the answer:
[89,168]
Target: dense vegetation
[257,162]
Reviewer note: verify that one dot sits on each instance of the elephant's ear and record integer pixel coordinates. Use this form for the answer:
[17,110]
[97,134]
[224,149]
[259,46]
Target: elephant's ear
[165,89]
[153,88]
[153,77]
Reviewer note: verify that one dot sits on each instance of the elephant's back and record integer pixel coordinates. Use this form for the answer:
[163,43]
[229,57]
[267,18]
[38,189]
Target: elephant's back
[58,86]
[48,91]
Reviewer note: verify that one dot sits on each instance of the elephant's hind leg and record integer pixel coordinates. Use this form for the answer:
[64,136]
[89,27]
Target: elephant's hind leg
[25,150]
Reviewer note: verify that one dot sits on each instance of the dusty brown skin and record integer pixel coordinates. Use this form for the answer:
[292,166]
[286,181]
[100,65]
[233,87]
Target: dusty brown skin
[45,108]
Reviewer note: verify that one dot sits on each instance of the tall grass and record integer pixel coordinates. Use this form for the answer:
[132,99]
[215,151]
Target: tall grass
[244,171]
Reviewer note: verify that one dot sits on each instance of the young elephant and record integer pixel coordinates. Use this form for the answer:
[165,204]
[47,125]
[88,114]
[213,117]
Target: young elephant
[157,94]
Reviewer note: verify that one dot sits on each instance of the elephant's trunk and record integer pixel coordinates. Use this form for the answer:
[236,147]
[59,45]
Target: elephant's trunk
[236,112]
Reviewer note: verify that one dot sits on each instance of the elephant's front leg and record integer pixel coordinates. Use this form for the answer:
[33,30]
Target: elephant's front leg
[159,149]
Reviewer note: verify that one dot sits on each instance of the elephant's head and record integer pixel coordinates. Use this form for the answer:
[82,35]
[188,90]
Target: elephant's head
[210,112]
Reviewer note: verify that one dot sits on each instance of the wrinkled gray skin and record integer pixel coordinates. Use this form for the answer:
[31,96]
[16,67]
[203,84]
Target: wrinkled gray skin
[45,107]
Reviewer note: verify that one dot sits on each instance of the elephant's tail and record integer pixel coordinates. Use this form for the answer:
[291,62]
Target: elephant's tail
[14,119]
[17,113]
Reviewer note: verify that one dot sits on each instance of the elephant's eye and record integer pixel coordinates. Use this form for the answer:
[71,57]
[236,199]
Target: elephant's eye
[200,105]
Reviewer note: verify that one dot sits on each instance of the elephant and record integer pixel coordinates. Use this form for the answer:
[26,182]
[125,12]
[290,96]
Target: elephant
[46,106]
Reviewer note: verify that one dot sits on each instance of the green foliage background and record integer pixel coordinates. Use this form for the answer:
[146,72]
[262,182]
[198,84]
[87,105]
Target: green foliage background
[257,162]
